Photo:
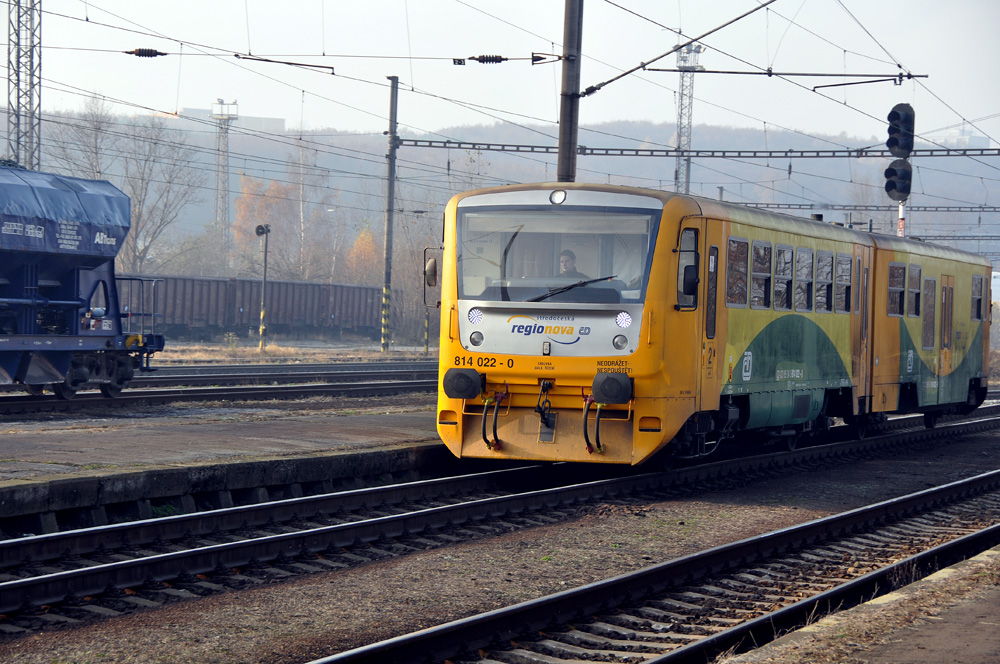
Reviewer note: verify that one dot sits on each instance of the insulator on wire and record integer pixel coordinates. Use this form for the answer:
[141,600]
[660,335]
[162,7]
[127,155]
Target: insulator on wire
[488,59]
[145,52]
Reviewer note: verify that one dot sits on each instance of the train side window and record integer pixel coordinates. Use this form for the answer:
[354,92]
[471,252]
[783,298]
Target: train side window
[803,279]
[687,270]
[737,265]
[783,278]
[842,289]
[897,284]
[977,297]
[760,276]
[947,309]
[927,329]
[913,292]
[824,282]
[711,291]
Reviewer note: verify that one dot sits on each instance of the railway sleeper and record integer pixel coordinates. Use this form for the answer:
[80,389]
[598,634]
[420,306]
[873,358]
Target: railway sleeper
[591,640]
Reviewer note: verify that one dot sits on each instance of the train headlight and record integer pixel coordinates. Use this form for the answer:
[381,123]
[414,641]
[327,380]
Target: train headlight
[620,342]
[623,320]
[475,317]
[476,338]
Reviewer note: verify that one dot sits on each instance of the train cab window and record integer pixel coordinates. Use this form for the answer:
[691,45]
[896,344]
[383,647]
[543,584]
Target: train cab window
[711,291]
[760,276]
[913,292]
[897,284]
[977,297]
[783,278]
[842,287]
[687,270]
[947,311]
[927,326]
[803,279]
[511,253]
[824,282]
[737,264]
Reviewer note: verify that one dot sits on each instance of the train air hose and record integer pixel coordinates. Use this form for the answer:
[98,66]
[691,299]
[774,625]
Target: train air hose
[544,407]
[587,402]
[497,399]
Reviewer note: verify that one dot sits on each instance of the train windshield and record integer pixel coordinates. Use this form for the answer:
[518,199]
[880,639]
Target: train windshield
[570,255]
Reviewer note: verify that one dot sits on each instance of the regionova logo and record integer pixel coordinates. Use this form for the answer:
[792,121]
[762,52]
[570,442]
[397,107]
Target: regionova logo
[549,326]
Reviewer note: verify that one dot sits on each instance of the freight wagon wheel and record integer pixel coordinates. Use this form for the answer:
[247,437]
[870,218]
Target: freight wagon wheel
[34,390]
[110,391]
[63,391]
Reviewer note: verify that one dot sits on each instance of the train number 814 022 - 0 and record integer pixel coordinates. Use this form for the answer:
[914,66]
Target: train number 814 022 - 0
[481,362]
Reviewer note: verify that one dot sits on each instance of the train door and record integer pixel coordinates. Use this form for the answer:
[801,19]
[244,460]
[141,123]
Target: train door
[713,324]
[861,331]
[945,338]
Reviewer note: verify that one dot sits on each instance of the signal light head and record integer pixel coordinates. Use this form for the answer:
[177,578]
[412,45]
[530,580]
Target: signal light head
[901,129]
[898,178]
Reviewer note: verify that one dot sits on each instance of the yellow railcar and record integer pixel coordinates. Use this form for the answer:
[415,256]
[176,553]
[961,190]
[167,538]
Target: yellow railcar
[604,324]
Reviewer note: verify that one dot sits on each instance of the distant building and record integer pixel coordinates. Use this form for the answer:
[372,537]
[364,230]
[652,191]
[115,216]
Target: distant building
[248,122]
[962,138]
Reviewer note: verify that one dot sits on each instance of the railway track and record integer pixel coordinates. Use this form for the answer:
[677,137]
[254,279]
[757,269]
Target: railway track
[113,569]
[726,598]
[245,384]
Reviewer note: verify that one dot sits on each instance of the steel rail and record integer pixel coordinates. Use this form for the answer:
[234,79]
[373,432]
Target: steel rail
[281,377]
[85,400]
[85,541]
[236,374]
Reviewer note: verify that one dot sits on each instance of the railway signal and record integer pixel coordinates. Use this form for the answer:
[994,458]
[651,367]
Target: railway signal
[897,180]
[899,174]
[901,120]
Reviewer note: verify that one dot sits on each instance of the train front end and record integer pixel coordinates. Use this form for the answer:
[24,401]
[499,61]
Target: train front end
[550,343]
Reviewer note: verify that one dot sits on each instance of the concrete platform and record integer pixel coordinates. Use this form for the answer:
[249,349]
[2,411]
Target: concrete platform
[60,475]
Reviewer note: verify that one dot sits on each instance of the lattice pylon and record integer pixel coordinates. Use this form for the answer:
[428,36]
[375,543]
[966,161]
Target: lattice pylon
[24,82]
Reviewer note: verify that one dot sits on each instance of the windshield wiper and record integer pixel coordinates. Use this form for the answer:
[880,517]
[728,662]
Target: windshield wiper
[567,287]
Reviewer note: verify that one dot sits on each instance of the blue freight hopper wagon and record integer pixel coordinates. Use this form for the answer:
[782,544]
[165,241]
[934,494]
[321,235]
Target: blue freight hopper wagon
[64,325]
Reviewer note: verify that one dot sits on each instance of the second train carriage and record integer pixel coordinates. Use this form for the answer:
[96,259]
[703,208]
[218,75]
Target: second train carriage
[687,321]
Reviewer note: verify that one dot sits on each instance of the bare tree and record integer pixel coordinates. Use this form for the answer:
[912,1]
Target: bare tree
[86,146]
[304,240]
[153,165]
[160,175]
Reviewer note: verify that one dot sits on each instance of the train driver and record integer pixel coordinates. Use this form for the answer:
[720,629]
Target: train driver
[567,266]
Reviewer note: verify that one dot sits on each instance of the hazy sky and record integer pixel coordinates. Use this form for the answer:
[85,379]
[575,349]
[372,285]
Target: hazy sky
[955,43]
